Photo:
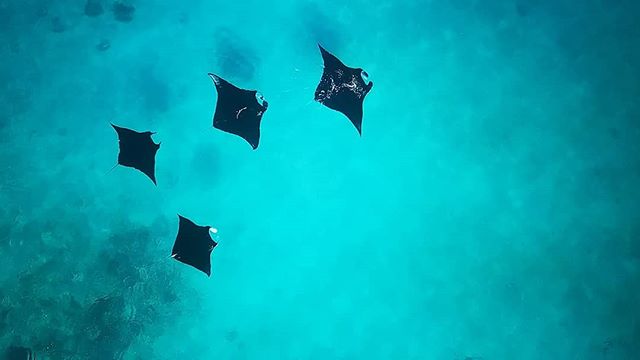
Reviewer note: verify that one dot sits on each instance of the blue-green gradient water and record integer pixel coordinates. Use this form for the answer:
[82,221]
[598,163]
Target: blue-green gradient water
[490,209]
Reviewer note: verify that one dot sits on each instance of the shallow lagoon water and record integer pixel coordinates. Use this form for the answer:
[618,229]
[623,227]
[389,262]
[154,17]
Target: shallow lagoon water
[489,210]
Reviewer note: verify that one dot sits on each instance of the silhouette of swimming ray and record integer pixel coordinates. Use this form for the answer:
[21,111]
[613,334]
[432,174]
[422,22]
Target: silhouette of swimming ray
[343,88]
[193,245]
[238,111]
[137,150]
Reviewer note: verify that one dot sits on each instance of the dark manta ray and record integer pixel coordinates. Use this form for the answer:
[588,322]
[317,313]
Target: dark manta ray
[238,111]
[137,150]
[194,245]
[342,88]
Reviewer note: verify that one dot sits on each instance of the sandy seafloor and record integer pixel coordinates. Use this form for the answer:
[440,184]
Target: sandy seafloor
[490,209]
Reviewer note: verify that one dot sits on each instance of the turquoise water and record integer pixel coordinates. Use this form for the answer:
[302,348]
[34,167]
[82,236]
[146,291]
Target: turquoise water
[490,209]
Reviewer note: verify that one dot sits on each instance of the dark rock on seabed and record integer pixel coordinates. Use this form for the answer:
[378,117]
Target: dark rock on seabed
[93,8]
[123,11]
[58,25]
[103,45]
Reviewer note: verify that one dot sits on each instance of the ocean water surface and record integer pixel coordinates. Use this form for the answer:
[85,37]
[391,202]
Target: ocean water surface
[490,209]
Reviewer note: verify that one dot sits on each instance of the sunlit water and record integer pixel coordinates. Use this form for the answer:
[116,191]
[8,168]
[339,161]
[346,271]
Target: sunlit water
[490,209]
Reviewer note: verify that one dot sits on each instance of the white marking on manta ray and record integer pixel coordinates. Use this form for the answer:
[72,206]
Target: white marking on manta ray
[239,111]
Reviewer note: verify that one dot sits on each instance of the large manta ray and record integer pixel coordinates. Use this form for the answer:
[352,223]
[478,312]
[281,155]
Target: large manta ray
[343,88]
[238,111]
[137,150]
[193,245]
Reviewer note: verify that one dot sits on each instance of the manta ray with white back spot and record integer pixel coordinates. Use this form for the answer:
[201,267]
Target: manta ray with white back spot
[343,88]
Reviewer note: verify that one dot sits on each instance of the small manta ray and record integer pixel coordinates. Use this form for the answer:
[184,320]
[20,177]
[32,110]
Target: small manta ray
[194,245]
[137,150]
[343,88]
[238,111]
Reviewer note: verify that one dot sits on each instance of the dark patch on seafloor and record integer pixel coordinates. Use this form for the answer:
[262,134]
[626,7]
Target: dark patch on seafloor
[123,11]
[205,160]
[234,58]
[150,90]
[93,307]
[93,8]
[58,25]
[103,45]
[18,353]
[319,27]
[15,95]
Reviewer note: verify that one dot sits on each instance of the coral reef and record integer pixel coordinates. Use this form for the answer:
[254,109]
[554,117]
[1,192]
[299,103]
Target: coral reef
[96,308]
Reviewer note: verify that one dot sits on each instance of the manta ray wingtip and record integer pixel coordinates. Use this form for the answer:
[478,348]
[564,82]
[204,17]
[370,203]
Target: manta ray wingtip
[216,79]
[358,128]
[323,51]
[152,177]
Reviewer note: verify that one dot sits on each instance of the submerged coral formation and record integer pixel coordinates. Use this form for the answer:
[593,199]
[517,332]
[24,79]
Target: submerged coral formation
[95,309]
